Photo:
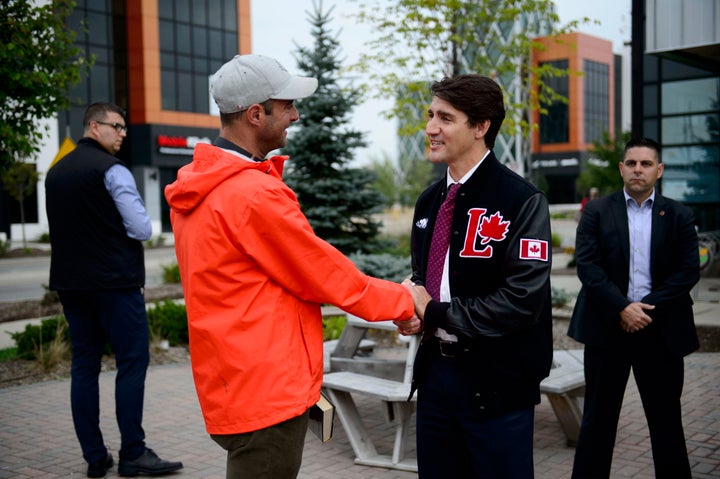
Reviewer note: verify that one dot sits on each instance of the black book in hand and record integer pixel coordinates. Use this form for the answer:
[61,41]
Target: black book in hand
[321,418]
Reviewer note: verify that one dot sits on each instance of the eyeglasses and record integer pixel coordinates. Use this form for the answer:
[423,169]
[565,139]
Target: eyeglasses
[118,126]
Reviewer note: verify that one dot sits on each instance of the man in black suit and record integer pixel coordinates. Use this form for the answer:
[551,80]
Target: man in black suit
[637,259]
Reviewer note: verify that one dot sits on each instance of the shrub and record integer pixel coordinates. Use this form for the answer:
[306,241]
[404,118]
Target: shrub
[333,327]
[8,354]
[560,297]
[56,351]
[34,338]
[5,247]
[168,320]
[385,266]
[49,297]
[396,245]
[171,273]
[155,242]
[556,240]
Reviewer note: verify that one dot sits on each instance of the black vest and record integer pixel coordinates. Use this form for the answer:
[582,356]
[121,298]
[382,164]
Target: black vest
[90,246]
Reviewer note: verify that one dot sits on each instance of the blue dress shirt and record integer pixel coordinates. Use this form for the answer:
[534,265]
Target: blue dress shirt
[640,229]
[121,186]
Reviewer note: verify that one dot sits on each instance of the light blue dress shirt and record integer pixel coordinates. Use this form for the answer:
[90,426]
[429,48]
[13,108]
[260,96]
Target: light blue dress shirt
[121,186]
[640,229]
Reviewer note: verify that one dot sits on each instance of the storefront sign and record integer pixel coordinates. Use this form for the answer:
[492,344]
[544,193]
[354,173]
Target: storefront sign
[179,145]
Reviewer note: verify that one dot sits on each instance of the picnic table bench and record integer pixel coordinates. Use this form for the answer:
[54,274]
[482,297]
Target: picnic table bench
[340,386]
[564,388]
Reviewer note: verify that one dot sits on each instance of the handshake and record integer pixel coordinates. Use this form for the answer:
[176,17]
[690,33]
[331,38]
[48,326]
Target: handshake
[421,298]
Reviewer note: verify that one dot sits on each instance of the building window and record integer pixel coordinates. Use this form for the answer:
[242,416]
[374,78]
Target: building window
[597,100]
[690,132]
[100,33]
[555,126]
[692,173]
[196,38]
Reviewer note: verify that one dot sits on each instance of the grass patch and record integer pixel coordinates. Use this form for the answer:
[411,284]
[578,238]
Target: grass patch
[8,354]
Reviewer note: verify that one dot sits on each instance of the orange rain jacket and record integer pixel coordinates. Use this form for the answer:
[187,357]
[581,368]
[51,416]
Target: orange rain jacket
[254,275]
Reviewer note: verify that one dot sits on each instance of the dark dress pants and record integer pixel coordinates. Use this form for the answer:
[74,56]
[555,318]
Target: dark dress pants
[94,318]
[274,452]
[659,376]
[456,440]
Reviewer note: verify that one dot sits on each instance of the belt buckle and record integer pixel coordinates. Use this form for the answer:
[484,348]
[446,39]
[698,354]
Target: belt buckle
[446,348]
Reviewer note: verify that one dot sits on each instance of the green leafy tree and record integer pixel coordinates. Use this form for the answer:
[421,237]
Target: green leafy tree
[38,65]
[19,180]
[336,199]
[401,182]
[602,172]
[417,41]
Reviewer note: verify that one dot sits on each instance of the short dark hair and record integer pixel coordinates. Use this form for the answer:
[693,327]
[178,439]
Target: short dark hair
[98,112]
[478,96]
[644,142]
[226,119]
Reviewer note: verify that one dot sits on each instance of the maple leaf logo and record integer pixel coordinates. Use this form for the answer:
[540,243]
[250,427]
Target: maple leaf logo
[493,228]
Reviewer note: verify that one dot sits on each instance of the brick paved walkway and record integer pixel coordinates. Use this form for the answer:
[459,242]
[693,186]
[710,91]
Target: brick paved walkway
[37,439]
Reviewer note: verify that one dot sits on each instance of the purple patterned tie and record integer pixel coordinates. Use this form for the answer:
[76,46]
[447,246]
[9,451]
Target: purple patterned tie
[440,243]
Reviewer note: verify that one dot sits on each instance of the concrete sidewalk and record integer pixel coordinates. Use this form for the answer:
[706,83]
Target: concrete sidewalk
[37,440]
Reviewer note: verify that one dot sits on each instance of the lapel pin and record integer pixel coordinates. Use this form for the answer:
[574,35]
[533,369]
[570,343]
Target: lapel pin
[662,212]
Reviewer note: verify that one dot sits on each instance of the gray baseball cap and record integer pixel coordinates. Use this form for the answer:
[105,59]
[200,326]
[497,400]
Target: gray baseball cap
[249,79]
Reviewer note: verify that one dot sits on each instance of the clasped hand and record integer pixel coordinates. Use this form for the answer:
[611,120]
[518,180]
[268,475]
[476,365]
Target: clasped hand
[633,318]
[421,298]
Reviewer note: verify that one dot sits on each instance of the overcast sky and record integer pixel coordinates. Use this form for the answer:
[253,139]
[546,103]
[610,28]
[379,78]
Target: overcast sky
[279,25]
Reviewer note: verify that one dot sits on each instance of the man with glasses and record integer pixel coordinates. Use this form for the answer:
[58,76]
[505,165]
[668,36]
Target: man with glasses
[97,224]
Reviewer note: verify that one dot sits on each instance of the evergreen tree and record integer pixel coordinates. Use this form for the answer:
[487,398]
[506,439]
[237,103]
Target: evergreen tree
[336,199]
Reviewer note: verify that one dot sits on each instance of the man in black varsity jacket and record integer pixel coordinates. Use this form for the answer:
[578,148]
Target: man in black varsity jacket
[483,299]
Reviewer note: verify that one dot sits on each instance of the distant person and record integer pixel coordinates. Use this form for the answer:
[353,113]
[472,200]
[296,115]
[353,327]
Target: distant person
[637,259]
[481,266]
[592,195]
[254,275]
[97,224]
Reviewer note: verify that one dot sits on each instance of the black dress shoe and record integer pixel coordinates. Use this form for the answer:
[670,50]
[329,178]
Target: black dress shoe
[148,463]
[100,468]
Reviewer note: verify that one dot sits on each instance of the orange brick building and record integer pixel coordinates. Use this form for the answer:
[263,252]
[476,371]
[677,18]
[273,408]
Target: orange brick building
[154,58]
[560,143]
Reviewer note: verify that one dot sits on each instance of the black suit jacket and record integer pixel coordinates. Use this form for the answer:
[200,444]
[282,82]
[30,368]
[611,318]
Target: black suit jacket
[602,246]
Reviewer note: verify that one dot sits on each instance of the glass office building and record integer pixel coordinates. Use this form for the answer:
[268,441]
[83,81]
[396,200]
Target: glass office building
[679,79]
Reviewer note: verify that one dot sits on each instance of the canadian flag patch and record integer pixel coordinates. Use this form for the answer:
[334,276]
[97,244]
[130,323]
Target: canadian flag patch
[533,249]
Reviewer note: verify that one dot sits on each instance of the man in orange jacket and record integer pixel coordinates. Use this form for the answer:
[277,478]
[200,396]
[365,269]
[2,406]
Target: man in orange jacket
[254,276]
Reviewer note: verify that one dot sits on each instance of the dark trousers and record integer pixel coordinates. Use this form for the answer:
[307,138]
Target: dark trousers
[94,318]
[271,453]
[659,376]
[456,439]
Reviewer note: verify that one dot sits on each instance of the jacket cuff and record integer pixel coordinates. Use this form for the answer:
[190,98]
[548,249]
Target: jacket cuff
[435,314]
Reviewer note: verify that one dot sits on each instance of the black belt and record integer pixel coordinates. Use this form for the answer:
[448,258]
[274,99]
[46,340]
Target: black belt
[449,349]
